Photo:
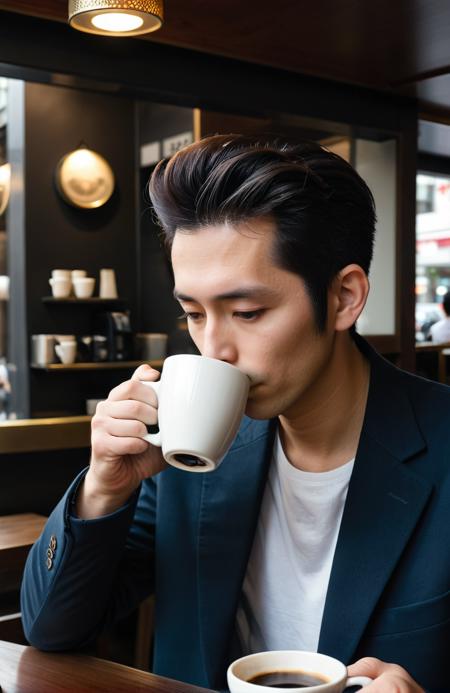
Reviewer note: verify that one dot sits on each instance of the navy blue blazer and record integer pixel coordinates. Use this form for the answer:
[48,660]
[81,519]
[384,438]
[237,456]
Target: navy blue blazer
[187,537]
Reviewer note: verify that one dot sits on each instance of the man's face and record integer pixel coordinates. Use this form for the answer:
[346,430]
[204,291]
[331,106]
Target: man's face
[243,309]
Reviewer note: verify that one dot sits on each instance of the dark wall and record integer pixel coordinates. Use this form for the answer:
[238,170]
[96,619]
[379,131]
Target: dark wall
[158,310]
[61,236]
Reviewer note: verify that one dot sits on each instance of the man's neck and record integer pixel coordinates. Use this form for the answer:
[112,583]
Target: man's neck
[323,431]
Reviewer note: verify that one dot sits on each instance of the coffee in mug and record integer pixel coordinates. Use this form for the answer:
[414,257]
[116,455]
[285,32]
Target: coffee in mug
[295,678]
[201,402]
[296,670]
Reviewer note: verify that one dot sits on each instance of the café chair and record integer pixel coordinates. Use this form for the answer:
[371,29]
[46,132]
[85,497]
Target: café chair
[17,535]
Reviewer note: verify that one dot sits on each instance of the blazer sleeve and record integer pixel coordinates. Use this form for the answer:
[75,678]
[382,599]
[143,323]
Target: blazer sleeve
[83,574]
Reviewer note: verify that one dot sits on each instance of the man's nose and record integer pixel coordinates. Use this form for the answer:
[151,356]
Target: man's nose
[219,344]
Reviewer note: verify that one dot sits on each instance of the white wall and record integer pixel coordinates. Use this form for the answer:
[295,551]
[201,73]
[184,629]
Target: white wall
[376,163]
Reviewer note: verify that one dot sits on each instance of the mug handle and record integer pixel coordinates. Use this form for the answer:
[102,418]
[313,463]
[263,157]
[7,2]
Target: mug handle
[153,438]
[358,681]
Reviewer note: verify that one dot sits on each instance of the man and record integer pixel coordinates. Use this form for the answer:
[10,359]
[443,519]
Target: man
[327,525]
[440,331]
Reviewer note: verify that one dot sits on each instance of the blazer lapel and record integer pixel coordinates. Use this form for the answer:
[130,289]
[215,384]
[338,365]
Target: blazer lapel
[384,503]
[228,516]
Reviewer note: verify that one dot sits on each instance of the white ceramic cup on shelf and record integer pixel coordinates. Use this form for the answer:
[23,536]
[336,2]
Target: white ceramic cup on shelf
[312,672]
[61,273]
[108,286]
[83,286]
[66,351]
[201,402]
[77,273]
[61,286]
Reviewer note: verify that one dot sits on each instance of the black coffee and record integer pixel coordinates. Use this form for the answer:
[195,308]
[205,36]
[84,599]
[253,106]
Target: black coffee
[189,460]
[288,679]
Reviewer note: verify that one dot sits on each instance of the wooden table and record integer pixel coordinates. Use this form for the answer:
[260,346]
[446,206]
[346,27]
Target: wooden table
[26,670]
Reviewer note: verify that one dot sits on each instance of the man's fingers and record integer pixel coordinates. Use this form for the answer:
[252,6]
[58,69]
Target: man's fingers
[133,389]
[387,677]
[367,666]
[123,428]
[145,372]
[105,447]
[126,409]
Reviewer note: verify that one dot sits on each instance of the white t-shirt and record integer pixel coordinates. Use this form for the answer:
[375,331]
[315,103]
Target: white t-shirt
[289,569]
[440,331]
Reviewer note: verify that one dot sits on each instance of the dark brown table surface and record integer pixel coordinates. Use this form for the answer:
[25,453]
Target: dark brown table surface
[26,670]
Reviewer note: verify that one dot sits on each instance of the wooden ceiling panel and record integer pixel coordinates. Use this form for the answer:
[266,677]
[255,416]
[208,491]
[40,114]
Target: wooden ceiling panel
[384,44]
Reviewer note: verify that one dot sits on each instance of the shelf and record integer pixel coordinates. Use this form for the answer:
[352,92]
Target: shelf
[93,301]
[90,366]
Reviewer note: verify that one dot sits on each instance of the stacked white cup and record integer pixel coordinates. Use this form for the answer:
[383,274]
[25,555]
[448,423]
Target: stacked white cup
[61,283]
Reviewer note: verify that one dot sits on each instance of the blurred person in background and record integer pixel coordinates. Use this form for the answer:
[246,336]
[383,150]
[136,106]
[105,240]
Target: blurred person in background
[440,331]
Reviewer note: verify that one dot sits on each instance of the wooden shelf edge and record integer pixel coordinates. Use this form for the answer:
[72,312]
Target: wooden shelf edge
[32,435]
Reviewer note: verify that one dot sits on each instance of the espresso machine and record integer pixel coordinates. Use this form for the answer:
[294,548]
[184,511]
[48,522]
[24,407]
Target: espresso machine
[115,326]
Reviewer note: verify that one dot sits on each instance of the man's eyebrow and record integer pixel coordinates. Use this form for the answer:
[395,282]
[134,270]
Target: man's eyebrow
[240,292]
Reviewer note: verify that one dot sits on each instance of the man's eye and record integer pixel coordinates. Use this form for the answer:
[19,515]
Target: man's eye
[190,316]
[249,315]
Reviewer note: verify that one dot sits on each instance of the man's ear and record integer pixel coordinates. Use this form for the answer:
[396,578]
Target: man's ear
[349,293]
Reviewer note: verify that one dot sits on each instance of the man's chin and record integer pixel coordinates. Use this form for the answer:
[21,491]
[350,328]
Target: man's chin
[259,410]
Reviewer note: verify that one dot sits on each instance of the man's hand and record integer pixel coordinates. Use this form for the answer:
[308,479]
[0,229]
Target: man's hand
[121,459]
[388,678]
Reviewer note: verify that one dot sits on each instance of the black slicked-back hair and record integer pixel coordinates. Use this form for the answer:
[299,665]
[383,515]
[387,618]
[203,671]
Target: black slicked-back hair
[323,211]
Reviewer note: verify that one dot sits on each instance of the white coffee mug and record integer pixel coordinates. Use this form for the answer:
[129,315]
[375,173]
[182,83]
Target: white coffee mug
[321,673]
[201,402]
[66,351]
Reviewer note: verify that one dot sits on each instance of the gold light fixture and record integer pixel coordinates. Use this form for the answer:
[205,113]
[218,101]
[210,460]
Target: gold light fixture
[116,17]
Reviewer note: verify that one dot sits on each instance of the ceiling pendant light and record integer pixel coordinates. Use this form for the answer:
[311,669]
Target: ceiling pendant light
[116,17]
